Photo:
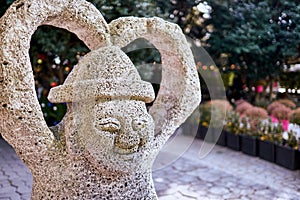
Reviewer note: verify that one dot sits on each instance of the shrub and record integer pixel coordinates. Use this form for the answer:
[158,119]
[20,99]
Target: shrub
[272,132]
[214,113]
[281,112]
[272,106]
[240,101]
[241,108]
[256,113]
[223,105]
[288,103]
[234,124]
[294,116]
[255,121]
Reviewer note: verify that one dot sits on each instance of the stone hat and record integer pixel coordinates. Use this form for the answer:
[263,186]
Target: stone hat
[103,73]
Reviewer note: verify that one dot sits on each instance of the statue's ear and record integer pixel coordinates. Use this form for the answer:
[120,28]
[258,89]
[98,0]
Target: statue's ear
[179,92]
[21,120]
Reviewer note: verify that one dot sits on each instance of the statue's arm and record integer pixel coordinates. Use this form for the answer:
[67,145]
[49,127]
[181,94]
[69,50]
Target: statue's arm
[21,120]
[179,92]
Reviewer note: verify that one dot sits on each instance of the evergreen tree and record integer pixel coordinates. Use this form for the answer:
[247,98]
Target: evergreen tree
[259,37]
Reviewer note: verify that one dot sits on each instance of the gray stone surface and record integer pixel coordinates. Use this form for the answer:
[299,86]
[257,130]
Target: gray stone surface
[15,177]
[105,145]
[223,174]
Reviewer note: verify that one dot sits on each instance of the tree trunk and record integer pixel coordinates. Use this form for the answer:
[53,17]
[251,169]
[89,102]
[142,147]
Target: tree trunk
[271,83]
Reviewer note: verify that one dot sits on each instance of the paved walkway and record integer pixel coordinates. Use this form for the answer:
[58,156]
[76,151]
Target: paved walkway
[223,174]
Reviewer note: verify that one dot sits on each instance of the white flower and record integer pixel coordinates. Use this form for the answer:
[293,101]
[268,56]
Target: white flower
[285,135]
[241,125]
[295,128]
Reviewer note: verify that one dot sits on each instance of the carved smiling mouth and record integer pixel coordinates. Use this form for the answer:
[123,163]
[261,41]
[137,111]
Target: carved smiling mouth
[126,154]
[127,151]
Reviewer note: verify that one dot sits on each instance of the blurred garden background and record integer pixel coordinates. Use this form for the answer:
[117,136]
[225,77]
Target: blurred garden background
[254,45]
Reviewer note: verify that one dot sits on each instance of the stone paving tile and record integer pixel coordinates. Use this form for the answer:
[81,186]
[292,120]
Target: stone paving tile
[226,174]
[223,174]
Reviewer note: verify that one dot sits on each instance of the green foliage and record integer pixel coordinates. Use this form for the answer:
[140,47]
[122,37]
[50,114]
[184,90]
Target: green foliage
[234,124]
[49,43]
[258,36]
[4,4]
[186,14]
[214,113]
[56,41]
[112,9]
[53,113]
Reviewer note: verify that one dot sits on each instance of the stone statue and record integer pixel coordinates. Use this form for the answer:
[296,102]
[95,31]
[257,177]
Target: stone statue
[105,145]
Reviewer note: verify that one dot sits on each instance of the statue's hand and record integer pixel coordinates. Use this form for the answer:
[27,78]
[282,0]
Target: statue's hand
[179,92]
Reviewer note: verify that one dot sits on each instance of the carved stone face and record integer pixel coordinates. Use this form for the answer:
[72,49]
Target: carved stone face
[117,135]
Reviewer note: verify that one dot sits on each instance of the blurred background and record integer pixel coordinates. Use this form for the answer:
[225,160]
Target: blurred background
[254,45]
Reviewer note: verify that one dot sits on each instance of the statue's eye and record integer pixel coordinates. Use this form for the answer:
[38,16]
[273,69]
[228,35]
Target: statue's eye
[139,124]
[109,124]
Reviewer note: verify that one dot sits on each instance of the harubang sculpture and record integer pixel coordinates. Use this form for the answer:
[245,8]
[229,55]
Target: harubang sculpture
[105,145]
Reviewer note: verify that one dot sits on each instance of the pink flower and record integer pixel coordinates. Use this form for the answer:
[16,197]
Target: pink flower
[285,124]
[274,119]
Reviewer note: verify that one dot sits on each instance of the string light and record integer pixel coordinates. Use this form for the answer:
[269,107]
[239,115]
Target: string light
[53,84]
[67,69]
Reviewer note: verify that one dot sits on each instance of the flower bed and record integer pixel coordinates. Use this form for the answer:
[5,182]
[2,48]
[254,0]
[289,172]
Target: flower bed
[266,150]
[233,141]
[287,157]
[212,135]
[212,120]
[273,134]
[249,145]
